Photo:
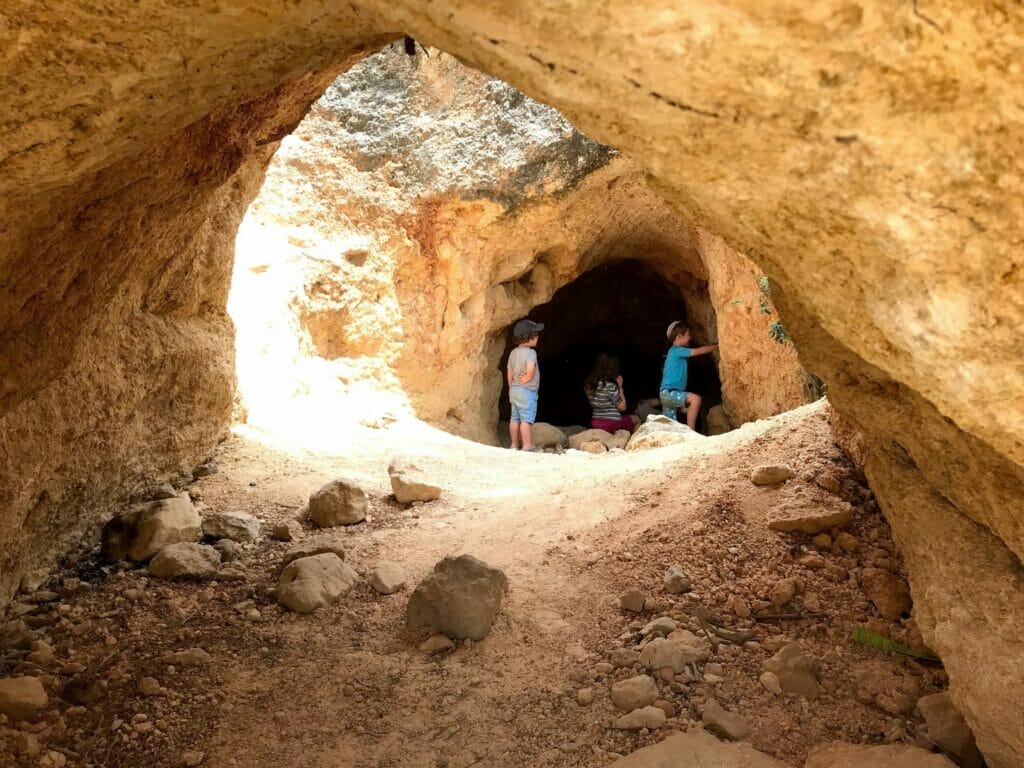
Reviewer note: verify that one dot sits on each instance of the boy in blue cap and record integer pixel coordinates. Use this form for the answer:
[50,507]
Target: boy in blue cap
[523,383]
[673,378]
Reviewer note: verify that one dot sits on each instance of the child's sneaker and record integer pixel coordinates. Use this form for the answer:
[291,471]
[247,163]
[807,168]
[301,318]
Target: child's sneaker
[533,449]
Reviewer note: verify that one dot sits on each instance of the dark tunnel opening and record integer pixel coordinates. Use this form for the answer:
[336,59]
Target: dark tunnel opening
[624,309]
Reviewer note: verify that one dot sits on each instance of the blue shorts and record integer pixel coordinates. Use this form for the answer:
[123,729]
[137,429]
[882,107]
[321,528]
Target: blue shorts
[524,404]
[670,400]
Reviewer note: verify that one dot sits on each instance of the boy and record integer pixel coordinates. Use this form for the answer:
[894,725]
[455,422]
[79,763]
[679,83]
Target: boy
[673,378]
[523,382]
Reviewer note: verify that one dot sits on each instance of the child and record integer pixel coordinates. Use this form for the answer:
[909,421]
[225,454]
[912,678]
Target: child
[523,382]
[673,378]
[603,388]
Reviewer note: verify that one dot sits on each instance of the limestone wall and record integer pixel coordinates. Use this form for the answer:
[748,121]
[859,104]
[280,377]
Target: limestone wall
[865,155]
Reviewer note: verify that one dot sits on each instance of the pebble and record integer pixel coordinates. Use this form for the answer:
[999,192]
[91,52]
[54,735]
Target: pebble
[771,474]
[648,717]
[676,581]
[632,601]
[770,682]
[585,697]
[192,759]
[436,644]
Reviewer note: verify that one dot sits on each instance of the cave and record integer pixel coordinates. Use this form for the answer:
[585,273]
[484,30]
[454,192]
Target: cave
[621,308]
[857,155]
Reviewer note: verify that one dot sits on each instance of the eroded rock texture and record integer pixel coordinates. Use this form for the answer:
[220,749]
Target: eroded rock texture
[864,154]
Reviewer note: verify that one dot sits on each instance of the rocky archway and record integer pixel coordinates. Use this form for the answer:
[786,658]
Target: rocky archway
[865,156]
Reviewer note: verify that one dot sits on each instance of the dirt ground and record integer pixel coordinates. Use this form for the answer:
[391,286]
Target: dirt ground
[347,685]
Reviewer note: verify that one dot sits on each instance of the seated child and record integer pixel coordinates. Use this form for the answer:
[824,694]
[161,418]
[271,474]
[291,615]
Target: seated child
[607,399]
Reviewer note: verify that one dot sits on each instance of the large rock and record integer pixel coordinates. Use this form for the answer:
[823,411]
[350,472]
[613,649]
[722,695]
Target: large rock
[22,698]
[659,431]
[142,532]
[697,749]
[677,651]
[797,672]
[185,561]
[887,591]
[410,483]
[339,502]
[237,526]
[312,582]
[948,729]
[634,692]
[314,545]
[461,597]
[547,436]
[840,755]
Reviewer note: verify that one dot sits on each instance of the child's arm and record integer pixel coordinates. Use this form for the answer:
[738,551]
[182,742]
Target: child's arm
[621,405]
[703,350]
[527,375]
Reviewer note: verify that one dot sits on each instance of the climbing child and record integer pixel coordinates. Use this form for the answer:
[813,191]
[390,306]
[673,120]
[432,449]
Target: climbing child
[523,383]
[673,377]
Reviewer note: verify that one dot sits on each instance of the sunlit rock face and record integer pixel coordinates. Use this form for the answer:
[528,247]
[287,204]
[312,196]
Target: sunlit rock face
[865,155]
[419,209]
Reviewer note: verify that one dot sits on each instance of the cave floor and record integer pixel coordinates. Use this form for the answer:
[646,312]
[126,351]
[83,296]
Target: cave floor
[347,685]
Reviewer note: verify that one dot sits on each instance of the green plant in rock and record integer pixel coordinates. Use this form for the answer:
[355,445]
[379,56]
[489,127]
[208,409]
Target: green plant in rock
[777,332]
[763,306]
[764,285]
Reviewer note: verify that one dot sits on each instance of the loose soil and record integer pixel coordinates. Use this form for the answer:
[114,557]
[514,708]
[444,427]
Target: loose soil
[347,686]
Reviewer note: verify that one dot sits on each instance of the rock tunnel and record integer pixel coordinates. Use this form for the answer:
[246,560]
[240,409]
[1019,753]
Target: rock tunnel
[864,156]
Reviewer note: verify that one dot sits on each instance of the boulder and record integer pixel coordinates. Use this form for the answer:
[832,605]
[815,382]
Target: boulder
[887,591]
[645,717]
[718,422]
[461,597]
[547,436]
[387,577]
[723,723]
[676,581]
[635,692]
[315,545]
[677,651]
[22,698]
[144,531]
[339,502]
[771,474]
[798,673]
[185,561]
[237,526]
[309,583]
[799,516]
[409,483]
[697,749]
[840,755]
[949,731]
[659,431]
[593,446]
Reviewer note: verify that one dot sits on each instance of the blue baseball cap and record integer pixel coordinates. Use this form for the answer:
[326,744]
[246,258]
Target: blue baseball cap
[525,327]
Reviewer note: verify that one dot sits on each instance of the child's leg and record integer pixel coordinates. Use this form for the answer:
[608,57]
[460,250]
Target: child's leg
[692,408]
[513,432]
[527,430]
[670,401]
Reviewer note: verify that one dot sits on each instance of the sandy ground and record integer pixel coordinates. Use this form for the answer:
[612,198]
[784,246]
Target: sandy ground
[347,686]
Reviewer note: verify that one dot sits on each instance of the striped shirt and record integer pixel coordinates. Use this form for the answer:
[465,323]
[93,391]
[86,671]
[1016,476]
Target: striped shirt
[604,400]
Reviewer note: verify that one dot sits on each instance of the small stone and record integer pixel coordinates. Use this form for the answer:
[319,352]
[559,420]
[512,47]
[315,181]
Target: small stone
[149,686]
[192,759]
[887,591]
[26,744]
[191,657]
[784,591]
[34,580]
[143,532]
[229,550]
[165,491]
[677,651]
[725,724]
[409,483]
[771,474]
[316,545]
[659,627]
[624,657]
[847,542]
[632,601]
[798,516]
[830,481]
[634,693]
[738,606]
[676,581]
[339,502]
[667,707]
[289,530]
[312,582]
[770,682]
[585,697]
[822,541]
[22,698]
[593,446]
[387,577]
[205,469]
[436,644]
[798,673]
[647,717]
[236,526]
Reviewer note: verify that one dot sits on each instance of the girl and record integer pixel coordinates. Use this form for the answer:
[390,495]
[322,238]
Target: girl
[607,400]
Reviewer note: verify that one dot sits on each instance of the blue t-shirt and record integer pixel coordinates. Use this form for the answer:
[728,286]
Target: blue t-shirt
[674,374]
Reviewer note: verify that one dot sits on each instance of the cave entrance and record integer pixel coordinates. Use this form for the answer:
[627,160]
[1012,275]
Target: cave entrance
[621,308]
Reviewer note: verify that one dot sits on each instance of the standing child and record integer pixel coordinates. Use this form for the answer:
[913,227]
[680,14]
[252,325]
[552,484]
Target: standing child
[523,383]
[673,377]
